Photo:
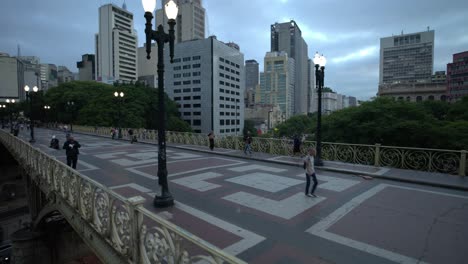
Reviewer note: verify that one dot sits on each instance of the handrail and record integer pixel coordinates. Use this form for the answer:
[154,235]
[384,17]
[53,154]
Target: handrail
[119,221]
[423,159]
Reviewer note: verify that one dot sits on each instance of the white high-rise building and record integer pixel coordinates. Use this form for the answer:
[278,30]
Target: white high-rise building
[190,21]
[116,46]
[206,81]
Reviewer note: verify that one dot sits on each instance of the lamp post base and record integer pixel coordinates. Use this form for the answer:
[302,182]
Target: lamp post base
[165,200]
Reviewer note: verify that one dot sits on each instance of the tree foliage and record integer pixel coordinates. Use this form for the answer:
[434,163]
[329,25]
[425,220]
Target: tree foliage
[393,123]
[96,105]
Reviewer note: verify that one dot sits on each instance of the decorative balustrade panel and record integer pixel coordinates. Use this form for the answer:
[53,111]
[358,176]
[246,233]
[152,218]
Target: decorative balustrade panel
[119,221]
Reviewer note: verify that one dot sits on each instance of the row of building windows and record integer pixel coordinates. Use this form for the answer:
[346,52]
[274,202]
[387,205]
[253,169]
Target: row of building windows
[228,77]
[228,106]
[196,97]
[195,122]
[187,82]
[228,122]
[189,106]
[229,84]
[186,67]
[228,92]
[229,69]
[222,98]
[229,62]
[187,59]
[229,113]
[186,74]
[192,113]
[227,130]
[187,90]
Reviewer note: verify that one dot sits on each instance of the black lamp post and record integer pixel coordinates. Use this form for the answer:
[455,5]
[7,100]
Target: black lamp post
[31,119]
[2,107]
[319,62]
[71,106]
[161,37]
[10,111]
[46,109]
[119,96]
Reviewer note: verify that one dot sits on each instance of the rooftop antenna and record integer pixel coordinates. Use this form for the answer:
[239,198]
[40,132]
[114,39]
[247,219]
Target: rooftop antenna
[428,28]
[19,51]
[402,31]
[124,6]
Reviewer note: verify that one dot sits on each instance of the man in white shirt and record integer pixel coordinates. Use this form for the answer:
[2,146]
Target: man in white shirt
[310,172]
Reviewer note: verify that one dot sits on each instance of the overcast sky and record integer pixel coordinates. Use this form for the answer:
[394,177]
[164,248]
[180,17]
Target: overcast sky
[347,32]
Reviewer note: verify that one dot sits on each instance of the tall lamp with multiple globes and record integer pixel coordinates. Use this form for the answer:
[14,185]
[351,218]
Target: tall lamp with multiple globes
[46,108]
[320,61]
[120,97]
[31,120]
[161,37]
[10,112]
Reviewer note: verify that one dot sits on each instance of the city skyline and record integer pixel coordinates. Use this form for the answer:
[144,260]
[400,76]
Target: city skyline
[60,32]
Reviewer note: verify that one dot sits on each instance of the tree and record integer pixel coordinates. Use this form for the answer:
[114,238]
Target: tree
[249,126]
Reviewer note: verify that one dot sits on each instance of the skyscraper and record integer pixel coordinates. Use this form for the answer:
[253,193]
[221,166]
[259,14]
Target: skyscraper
[190,22]
[251,81]
[407,58]
[457,76]
[116,45]
[277,82]
[287,37]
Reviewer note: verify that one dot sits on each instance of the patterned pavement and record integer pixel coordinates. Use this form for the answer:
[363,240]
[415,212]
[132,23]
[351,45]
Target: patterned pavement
[258,211]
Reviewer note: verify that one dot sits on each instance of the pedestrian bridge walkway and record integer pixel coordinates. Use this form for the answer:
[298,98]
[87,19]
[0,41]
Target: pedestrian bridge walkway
[118,229]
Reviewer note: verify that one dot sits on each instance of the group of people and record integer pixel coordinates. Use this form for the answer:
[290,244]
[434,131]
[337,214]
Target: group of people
[131,135]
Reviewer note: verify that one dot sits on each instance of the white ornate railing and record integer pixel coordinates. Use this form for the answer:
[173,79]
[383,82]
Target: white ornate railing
[138,235]
[432,160]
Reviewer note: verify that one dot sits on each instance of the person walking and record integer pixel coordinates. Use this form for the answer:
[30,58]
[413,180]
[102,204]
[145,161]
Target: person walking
[310,172]
[248,142]
[72,151]
[211,137]
[296,145]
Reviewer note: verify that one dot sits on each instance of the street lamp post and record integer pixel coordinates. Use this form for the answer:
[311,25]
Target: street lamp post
[161,37]
[71,106]
[46,109]
[119,95]
[2,107]
[319,61]
[31,119]
[269,119]
[10,110]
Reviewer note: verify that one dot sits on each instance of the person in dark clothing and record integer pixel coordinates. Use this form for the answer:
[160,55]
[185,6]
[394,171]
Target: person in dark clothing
[72,151]
[132,136]
[54,143]
[211,137]
[296,145]
[248,142]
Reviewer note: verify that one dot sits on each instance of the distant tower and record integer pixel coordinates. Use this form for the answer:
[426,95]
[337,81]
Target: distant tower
[190,20]
[124,6]
[116,45]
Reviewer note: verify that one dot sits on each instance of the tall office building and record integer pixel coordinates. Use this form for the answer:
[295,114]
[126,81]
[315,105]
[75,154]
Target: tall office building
[190,21]
[116,46]
[287,37]
[251,81]
[48,76]
[277,82]
[407,58]
[457,76]
[206,81]
[87,67]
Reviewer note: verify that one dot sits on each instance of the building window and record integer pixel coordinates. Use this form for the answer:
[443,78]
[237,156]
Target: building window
[221,122]
[187,113]
[176,60]
[197,122]
[186,67]
[186,59]
[418,99]
[187,82]
[196,105]
[196,89]
[187,90]
[196,57]
[176,98]
[177,91]
[221,74]
[197,113]
[221,67]
[177,68]
[177,75]
[197,97]
[221,59]
[221,106]
[177,83]
[196,81]
[187,74]
[198,65]
[187,105]
[228,122]
[186,97]
[196,73]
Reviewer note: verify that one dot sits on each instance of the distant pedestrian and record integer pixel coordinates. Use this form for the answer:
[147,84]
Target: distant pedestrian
[211,137]
[248,142]
[296,145]
[132,136]
[72,151]
[310,172]
[112,133]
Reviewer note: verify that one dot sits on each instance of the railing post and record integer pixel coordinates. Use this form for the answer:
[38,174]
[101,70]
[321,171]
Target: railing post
[377,155]
[462,171]
[136,221]
[271,145]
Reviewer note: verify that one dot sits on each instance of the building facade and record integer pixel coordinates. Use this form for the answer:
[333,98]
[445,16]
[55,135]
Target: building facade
[87,67]
[64,75]
[10,80]
[457,76]
[287,37]
[207,82]
[116,46]
[251,81]
[49,76]
[415,92]
[277,82]
[407,58]
[190,21]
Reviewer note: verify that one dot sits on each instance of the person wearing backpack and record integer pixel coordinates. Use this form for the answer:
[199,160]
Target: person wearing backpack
[310,172]
[72,151]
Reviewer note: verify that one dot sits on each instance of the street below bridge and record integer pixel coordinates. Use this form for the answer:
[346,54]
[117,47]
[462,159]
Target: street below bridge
[257,210]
